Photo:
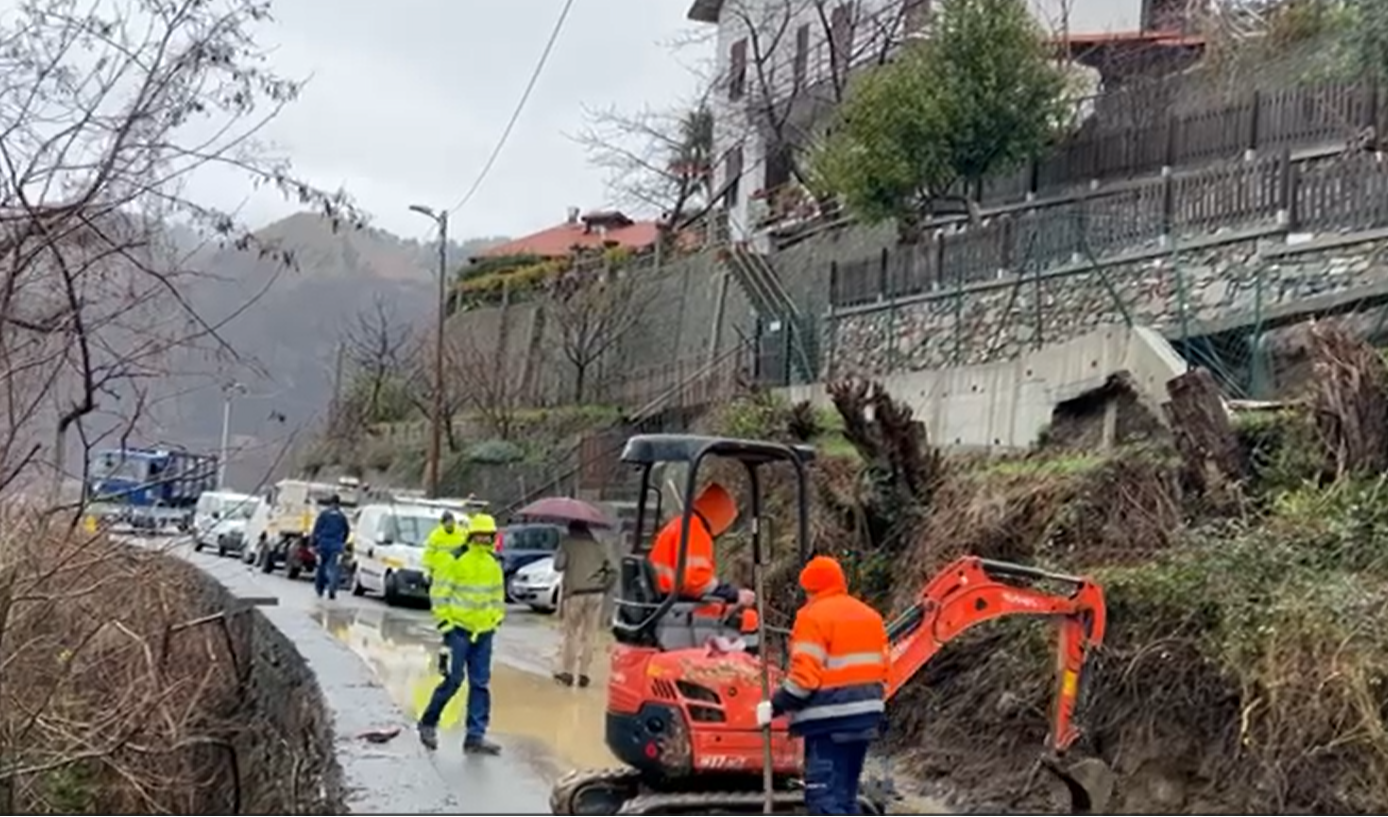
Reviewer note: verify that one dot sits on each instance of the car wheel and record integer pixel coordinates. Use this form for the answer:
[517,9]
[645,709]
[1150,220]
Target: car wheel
[197,545]
[221,546]
[389,592]
[267,558]
[357,588]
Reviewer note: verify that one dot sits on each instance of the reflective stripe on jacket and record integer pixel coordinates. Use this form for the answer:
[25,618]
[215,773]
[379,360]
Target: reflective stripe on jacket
[439,544]
[700,577]
[468,590]
[839,655]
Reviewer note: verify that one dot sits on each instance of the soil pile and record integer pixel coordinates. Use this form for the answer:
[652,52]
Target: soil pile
[1246,575]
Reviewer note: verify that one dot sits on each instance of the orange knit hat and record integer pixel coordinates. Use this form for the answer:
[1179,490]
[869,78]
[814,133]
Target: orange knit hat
[823,573]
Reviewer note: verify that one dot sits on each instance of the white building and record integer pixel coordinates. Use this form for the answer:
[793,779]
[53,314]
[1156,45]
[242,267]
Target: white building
[777,72]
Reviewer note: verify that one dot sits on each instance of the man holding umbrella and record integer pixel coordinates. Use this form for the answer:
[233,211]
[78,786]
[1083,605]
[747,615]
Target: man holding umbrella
[585,565]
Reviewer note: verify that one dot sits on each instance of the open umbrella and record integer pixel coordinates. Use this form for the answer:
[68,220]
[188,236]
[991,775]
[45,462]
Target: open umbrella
[566,509]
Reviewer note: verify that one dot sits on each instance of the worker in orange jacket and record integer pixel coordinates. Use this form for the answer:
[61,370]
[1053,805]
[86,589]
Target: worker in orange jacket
[835,691]
[714,512]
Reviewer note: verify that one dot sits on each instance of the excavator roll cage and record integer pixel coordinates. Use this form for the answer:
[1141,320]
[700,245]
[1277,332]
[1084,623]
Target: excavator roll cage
[640,609]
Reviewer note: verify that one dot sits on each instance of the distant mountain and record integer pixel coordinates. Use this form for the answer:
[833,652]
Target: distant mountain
[285,325]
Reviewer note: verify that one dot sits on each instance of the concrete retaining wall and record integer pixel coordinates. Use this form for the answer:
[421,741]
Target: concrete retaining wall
[307,697]
[1005,405]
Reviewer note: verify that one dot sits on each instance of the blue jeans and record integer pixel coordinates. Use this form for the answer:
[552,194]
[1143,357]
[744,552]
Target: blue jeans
[471,660]
[329,573]
[832,770]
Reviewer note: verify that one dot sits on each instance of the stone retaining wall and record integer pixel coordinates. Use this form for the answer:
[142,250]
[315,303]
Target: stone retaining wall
[1215,282]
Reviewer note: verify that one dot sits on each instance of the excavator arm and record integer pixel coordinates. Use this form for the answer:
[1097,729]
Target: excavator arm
[972,591]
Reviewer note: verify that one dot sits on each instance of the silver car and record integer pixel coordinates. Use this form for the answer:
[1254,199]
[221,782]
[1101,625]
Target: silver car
[539,585]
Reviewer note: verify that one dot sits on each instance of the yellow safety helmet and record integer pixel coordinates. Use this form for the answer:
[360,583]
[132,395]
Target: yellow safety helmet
[481,523]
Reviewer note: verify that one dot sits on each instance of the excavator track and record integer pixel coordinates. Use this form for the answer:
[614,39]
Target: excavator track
[594,791]
[726,802]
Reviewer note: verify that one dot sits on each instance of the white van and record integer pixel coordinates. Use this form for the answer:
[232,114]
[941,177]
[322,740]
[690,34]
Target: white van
[216,515]
[390,547]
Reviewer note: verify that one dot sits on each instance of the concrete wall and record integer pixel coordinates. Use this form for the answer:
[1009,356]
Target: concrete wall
[307,697]
[1005,405]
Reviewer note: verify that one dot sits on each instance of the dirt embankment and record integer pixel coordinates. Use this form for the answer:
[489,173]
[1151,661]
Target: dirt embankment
[1244,669]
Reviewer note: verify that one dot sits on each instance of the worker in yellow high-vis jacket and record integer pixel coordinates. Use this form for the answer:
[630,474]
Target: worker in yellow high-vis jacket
[467,593]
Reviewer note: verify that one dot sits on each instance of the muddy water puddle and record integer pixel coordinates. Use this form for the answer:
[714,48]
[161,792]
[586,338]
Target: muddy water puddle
[554,728]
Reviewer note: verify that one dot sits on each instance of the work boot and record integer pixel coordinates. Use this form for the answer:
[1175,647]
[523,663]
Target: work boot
[565,678]
[480,746]
[583,681]
[429,736]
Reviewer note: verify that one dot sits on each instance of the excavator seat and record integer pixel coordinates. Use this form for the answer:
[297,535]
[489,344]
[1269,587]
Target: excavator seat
[682,626]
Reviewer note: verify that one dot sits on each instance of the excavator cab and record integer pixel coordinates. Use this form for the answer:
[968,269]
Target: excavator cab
[670,467]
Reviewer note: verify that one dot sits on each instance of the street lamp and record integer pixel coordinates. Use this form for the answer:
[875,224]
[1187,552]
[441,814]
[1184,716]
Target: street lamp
[431,477]
[229,391]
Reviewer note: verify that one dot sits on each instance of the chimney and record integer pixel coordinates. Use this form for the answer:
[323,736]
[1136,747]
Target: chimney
[573,216]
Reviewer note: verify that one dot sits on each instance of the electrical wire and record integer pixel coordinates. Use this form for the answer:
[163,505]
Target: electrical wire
[520,106]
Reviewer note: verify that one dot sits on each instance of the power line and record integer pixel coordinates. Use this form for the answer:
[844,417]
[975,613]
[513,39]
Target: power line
[520,106]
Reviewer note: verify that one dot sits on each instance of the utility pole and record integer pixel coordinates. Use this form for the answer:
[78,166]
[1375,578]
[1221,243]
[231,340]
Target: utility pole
[228,392]
[431,477]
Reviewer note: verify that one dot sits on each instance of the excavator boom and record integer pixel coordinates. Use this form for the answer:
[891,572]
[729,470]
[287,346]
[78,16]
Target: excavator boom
[972,591]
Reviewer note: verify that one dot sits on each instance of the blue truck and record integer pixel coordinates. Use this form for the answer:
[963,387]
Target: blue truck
[148,488]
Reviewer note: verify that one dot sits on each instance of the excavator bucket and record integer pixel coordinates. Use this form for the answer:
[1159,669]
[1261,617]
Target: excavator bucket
[1089,783]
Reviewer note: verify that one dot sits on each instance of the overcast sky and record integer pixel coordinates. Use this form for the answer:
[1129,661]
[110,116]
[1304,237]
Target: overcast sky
[408,97]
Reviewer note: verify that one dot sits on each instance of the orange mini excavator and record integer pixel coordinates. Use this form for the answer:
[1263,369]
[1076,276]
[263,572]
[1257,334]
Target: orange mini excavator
[684,684]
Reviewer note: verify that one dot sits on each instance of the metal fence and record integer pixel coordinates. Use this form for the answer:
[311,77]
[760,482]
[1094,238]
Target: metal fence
[1325,193]
[1224,261]
[1127,138]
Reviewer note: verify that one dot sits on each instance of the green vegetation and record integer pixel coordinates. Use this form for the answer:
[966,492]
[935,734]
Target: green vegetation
[1245,667]
[977,98]
[520,276]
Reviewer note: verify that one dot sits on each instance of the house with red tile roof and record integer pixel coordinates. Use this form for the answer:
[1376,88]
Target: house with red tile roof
[593,231]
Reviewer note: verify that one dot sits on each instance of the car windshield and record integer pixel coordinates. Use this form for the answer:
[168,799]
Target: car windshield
[240,509]
[413,530]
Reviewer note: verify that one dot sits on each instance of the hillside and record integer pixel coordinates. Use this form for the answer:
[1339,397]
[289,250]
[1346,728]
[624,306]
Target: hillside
[285,325]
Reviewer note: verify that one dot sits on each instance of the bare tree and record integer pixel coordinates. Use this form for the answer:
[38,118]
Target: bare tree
[488,389]
[655,159]
[375,345]
[418,370]
[592,308]
[106,111]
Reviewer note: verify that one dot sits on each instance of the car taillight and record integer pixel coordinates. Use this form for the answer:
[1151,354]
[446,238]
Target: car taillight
[499,536]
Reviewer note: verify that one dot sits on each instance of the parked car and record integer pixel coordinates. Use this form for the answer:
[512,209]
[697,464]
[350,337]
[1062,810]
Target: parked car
[229,534]
[539,585]
[390,547]
[219,519]
[522,544]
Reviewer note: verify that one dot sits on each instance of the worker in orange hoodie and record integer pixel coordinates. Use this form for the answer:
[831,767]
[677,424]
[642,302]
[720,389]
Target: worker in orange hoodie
[714,512]
[835,691]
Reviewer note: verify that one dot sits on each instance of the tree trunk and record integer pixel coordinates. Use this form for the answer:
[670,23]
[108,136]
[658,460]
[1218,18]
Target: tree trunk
[1213,461]
[580,382]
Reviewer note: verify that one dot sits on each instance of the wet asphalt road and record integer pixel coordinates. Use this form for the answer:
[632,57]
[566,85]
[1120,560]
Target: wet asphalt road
[545,730]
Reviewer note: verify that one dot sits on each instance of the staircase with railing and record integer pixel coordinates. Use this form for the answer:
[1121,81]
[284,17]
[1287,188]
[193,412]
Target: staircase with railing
[759,280]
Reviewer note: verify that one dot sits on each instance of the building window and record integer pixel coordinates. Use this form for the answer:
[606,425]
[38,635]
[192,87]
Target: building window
[732,176]
[802,54]
[737,70]
[841,35]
